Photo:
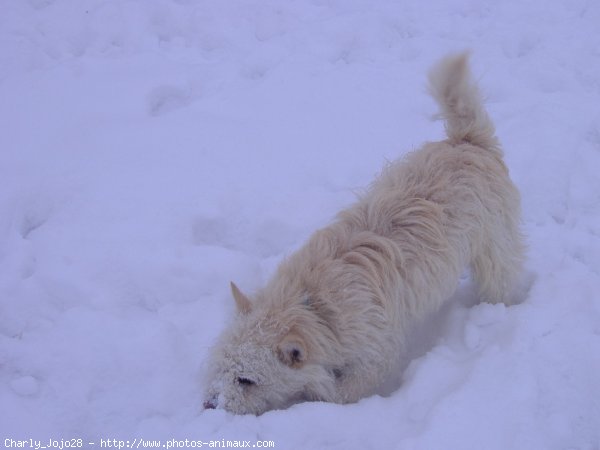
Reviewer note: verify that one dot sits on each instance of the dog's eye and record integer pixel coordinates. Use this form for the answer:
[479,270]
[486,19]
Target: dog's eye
[245,381]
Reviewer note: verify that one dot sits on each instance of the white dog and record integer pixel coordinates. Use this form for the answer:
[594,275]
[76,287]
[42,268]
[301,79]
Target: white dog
[331,323]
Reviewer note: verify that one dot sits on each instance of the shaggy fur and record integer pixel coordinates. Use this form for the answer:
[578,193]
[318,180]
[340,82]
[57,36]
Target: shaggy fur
[331,323]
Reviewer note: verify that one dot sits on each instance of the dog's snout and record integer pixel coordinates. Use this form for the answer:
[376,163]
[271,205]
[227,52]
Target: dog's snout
[209,404]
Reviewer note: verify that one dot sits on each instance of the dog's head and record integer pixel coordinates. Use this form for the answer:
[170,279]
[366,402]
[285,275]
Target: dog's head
[272,356]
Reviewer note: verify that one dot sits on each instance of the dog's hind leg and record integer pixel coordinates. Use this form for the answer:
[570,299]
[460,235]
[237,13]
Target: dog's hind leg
[497,263]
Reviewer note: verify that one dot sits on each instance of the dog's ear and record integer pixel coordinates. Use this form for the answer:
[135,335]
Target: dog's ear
[243,303]
[292,351]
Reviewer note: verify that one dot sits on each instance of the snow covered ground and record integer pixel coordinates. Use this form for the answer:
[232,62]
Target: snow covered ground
[153,150]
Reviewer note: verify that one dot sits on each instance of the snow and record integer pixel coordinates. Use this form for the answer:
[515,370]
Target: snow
[152,151]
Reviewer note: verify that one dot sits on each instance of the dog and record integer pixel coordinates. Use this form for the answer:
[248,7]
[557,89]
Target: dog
[332,322]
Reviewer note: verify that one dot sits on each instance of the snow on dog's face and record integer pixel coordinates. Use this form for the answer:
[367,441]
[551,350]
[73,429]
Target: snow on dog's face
[267,359]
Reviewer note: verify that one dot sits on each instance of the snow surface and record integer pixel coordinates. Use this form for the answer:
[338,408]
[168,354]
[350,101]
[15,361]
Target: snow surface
[152,151]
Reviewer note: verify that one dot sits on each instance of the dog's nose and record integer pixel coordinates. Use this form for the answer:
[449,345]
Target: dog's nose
[209,404]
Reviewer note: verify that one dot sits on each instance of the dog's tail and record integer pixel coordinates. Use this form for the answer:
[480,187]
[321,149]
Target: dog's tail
[466,119]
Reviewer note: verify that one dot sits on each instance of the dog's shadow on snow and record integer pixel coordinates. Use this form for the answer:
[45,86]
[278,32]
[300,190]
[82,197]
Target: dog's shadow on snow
[425,334]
